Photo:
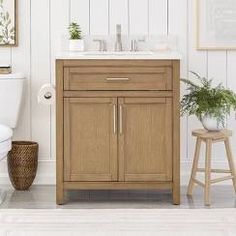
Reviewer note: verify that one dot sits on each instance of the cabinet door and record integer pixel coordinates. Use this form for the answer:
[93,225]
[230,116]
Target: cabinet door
[90,139]
[145,139]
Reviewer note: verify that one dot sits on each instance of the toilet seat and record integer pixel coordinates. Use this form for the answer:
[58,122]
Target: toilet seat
[5,140]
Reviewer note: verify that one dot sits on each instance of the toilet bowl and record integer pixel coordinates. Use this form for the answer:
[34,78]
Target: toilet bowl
[5,140]
[11,93]
[5,147]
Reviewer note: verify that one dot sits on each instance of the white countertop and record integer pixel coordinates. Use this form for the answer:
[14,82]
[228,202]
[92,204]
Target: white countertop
[167,55]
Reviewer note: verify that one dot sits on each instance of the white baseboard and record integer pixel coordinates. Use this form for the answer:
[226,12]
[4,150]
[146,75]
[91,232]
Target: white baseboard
[46,174]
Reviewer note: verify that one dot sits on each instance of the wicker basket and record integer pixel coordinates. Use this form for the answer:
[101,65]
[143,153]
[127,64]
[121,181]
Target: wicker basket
[22,164]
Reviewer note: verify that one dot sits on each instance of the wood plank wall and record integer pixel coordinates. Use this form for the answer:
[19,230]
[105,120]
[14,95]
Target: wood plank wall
[42,32]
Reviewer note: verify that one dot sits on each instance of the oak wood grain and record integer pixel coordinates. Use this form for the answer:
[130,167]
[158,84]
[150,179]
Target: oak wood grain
[132,146]
[90,150]
[117,78]
[145,150]
[176,131]
[59,132]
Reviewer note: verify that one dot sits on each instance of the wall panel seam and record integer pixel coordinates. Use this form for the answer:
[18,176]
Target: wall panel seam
[50,68]
[168,19]
[207,64]
[187,61]
[69,9]
[108,15]
[226,80]
[128,2]
[148,12]
[30,72]
[89,17]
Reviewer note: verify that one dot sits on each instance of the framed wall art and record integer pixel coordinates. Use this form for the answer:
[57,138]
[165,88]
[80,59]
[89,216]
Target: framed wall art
[216,24]
[8,23]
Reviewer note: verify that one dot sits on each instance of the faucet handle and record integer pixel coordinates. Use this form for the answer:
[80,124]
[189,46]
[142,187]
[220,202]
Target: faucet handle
[102,44]
[134,45]
[143,40]
[118,29]
[135,42]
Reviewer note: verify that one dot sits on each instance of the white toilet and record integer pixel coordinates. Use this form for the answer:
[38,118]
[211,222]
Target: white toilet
[11,92]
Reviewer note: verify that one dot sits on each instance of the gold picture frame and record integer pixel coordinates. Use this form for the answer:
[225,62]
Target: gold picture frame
[212,33]
[9,9]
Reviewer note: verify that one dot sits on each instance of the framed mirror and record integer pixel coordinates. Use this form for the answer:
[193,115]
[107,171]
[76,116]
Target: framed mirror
[8,23]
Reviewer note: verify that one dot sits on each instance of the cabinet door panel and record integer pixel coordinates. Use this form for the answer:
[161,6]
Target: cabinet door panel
[145,140]
[90,144]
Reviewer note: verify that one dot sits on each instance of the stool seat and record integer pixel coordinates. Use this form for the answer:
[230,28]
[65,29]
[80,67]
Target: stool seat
[214,135]
[209,138]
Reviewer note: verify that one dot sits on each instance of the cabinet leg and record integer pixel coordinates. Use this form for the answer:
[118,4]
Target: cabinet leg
[176,194]
[60,196]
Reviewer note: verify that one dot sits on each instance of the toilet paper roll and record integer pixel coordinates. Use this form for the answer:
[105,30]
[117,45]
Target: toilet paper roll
[47,95]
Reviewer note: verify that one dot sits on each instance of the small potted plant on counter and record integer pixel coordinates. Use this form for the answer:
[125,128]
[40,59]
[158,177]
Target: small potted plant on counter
[210,104]
[76,41]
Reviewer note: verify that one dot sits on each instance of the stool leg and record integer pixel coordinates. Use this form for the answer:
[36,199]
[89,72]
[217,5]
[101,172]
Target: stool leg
[194,167]
[207,190]
[230,161]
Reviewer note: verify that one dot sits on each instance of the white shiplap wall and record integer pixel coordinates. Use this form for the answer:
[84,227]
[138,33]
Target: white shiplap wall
[42,32]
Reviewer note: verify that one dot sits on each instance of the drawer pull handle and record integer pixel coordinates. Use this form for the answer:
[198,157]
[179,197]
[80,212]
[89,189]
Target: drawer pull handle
[114,119]
[117,79]
[121,119]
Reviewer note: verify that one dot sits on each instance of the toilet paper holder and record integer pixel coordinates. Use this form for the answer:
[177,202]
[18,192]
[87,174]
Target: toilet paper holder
[48,95]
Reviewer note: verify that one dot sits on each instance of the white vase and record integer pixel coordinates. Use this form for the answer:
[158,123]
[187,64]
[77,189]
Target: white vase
[211,123]
[76,45]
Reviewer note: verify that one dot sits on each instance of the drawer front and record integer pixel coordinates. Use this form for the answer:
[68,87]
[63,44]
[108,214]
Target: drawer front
[118,78]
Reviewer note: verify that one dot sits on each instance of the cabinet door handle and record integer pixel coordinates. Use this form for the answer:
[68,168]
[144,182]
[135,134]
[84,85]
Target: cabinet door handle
[121,119]
[114,119]
[117,79]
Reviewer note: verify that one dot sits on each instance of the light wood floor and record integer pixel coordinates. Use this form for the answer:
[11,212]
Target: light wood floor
[43,197]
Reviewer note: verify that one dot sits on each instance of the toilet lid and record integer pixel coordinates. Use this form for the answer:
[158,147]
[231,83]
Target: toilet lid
[5,133]
[12,76]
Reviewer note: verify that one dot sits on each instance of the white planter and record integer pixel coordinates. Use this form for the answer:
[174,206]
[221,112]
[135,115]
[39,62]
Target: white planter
[76,45]
[210,123]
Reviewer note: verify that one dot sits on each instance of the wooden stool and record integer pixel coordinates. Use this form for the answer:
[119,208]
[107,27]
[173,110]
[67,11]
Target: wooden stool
[209,138]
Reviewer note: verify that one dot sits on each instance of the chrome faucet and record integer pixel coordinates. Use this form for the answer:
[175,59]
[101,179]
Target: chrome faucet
[134,45]
[118,44]
[102,44]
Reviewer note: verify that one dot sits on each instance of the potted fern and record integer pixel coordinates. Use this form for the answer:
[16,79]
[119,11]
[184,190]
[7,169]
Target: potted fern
[210,104]
[76,41]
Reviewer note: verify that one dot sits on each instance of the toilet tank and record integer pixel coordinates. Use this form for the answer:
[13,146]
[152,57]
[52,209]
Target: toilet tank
[11,92]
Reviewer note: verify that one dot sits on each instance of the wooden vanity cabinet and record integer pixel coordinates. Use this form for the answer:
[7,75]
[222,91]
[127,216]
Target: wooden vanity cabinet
[112,135]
